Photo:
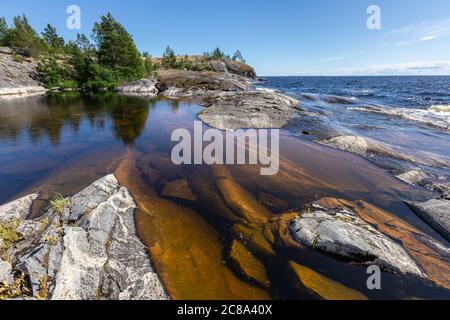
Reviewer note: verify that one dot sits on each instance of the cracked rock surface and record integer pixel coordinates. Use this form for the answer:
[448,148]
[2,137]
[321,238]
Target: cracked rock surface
[341,232]
[89,251]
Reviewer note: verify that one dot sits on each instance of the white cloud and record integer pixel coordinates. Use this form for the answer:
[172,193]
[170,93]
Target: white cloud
[428,38]
[408,68]
[415,33]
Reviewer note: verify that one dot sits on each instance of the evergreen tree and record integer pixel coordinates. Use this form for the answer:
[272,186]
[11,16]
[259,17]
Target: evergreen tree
[116,48]
[51,38]
[217,54]
[238,57]
[4,30]
[24,38]
[83,43]
[169,59]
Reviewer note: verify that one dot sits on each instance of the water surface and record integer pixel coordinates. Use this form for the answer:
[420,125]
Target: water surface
[63,142]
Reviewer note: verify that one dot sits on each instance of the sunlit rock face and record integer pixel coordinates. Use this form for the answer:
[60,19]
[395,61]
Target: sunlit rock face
[343,233]
[191,84]
[143,87]
[435,212]
[18,75]
[364,234]
[251,109]
[87,250]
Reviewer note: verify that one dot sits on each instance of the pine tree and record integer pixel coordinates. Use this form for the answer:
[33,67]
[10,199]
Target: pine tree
[83,43]
[169,59]
[51,38]
[238,57]
[217,54]
[4,30]
[24,38]
[116,48]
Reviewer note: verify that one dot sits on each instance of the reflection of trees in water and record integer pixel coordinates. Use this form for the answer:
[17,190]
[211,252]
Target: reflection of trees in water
[48,117]
[129,121]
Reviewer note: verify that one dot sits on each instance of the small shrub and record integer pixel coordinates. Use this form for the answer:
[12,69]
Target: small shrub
[9,236]
[58,203]
[18,288]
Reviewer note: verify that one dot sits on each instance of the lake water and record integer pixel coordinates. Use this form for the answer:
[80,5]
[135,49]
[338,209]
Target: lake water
[63,142]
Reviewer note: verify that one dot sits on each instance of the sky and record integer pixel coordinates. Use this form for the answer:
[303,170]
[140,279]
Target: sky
[277,37]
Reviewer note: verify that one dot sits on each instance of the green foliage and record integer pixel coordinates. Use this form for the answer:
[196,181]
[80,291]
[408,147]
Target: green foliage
[56,72]
[24,38]
[4,30]
[9,236]
[100,78]
[169,59]
[150,67]
[116,49]
[51,38]
[58,203]
[217,54]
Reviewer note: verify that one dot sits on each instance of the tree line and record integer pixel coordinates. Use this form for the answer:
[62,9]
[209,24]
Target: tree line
[110,59]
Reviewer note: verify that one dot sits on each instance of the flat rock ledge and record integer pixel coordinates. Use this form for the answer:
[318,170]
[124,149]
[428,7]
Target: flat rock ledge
[341,232]
[88,251]
[367,147]
[249,109]
[436,213]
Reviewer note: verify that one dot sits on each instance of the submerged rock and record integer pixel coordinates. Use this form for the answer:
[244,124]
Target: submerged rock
[436,213]
[322,286]
[88,251]
[251,109]
[178,189]
[340,231]
[143,87]
[248,264]
[413,176]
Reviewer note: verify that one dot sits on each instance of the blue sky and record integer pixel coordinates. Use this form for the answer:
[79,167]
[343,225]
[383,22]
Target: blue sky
[283,37]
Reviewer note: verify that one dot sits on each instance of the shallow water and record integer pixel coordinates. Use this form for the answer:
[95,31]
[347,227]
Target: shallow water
[61,143]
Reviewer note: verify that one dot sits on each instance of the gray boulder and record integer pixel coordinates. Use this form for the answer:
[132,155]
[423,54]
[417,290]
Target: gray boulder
[342,232]
[143,87]
[250,109]
[436,213]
